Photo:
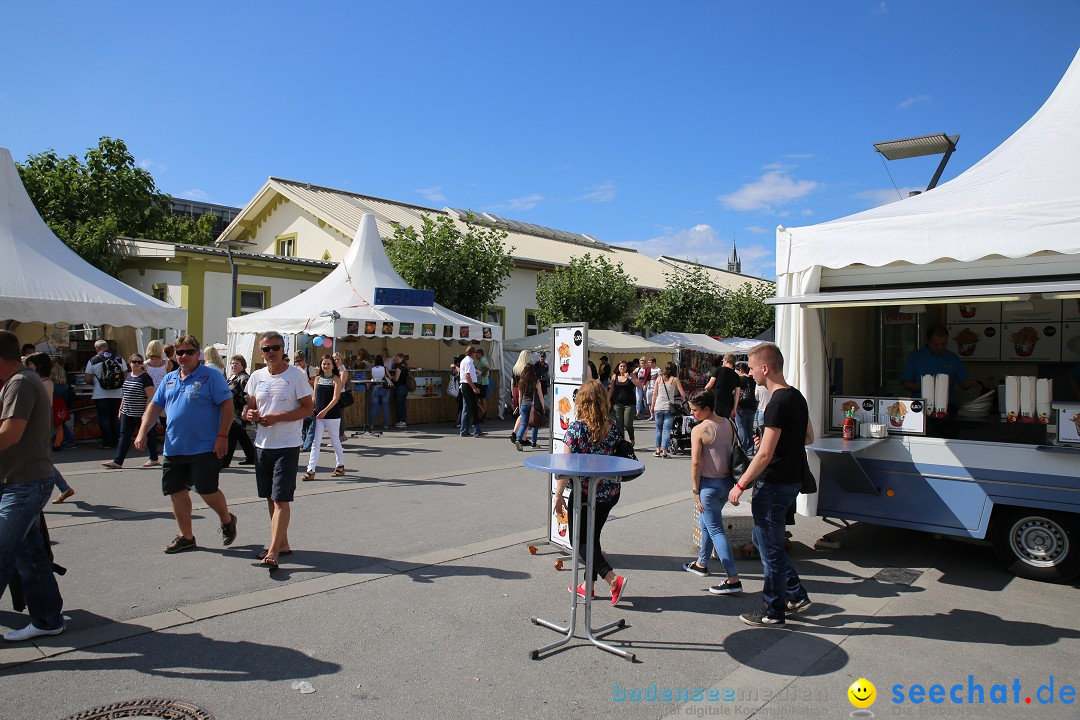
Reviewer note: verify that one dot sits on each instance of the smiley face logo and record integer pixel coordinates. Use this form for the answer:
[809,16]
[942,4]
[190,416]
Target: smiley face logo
[862,693]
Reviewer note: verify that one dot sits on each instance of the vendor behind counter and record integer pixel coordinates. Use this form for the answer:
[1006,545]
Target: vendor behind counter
[935,359]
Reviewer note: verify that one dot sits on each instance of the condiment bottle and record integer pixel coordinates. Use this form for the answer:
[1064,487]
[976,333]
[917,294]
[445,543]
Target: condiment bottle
[849,426]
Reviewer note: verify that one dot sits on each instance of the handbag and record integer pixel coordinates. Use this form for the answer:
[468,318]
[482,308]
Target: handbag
[624,449]
[347,399]
[739,460]
[537,417]
[453,388]
[809,482]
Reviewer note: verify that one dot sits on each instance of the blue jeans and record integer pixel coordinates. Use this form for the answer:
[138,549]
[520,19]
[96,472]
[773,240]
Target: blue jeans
[22,550]
[664,420]
[641,408]
[526,409]
[308,433]
[744,425]
[401,394]
[714,494]
[380,405]
[770,507]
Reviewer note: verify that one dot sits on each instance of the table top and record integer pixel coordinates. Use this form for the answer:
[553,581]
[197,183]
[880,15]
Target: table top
[582,465]
[840,445]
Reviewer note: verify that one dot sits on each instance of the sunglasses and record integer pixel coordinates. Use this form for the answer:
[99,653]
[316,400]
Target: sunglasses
[136,362]
[271,348]
[184,351]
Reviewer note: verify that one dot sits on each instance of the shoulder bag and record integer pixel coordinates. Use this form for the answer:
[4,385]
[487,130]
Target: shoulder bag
[809,482]
[739,460]
[537,417]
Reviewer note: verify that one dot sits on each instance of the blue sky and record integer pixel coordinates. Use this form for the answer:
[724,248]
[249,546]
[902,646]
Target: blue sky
[671,128]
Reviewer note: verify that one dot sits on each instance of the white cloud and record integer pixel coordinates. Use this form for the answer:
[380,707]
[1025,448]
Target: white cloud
[917,100]
[806,211]
[800,156]
[517,204]
[433,194]
[776,187]
[758,230]
[152,166]
[600,193]
[881,8]
[884,196]
[703,244]
[194,194]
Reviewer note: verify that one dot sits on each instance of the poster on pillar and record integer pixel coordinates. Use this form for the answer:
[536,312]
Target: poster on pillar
[569,353]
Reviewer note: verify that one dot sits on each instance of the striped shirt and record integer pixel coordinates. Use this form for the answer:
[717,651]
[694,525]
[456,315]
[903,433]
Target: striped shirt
[135,394]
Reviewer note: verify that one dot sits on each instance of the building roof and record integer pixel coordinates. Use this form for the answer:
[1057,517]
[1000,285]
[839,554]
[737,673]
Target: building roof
[139,247]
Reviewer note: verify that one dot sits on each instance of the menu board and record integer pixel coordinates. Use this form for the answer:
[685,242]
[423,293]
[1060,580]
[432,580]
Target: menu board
[1070,342]
[564,408]
[558,531]
[975,342]
[1037,310]
[568,364]
[1031,341]
[973,313]
[841,405]
[1070,310]
[1068,422]
[905,415]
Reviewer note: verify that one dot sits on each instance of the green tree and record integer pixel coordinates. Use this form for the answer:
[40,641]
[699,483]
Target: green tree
[88,203]
[689,303]
[589,289]
[745,311]
[467,270]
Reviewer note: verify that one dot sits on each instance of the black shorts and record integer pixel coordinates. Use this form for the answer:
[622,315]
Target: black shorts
[483,391]
[275,472]
[184,472]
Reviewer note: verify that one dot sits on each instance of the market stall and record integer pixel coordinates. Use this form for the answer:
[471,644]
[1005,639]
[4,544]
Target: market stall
[364,306]
[52,298]
[994,257]
[697,353]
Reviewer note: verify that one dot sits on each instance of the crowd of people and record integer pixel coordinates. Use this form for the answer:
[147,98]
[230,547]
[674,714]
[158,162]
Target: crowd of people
[205,412]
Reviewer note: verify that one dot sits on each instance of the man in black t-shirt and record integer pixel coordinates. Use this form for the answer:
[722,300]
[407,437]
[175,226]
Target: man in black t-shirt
[777,469]
[724,384]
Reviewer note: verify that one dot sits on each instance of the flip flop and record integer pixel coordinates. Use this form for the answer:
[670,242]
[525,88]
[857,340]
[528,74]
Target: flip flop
[262,554]
[269,565]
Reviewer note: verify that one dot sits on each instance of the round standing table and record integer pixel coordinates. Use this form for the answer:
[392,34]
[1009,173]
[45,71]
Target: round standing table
[577,467]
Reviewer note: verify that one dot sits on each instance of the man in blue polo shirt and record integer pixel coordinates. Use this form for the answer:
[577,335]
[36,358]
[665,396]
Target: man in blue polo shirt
[935,359]
[199,405]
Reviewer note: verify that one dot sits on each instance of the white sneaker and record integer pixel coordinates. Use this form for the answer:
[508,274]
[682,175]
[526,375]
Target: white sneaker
[400,424]
[30,632]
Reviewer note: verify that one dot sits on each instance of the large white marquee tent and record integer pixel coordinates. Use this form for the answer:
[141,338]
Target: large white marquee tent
[43,280]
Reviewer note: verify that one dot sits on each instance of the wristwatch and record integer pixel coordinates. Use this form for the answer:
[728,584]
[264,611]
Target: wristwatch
[695,492]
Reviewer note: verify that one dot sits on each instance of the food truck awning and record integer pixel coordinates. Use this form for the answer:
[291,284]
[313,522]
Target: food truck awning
[935,295]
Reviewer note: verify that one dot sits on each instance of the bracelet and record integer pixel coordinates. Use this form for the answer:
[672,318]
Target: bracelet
[695,492]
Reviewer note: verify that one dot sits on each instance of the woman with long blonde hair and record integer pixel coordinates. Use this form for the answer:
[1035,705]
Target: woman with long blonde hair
[212,358]
[594,434]
[523,361]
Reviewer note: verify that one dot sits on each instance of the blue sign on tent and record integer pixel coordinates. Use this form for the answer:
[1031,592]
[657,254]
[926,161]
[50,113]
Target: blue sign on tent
[404,297]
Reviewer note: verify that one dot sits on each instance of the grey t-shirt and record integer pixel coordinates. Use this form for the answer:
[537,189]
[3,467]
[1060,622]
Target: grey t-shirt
[24,397]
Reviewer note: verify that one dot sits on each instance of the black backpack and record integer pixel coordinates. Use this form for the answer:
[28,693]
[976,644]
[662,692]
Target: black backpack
[112,373]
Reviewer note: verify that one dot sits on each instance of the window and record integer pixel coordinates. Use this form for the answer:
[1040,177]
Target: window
[252,298]
[286,245]
[532,327]
[160,292]
[495,316]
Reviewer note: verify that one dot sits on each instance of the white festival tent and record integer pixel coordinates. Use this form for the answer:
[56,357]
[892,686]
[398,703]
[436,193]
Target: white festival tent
[43,280]
[344,304]
[699,342]
[1020,200]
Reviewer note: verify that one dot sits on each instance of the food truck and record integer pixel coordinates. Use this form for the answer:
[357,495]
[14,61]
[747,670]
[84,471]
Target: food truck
[994,257]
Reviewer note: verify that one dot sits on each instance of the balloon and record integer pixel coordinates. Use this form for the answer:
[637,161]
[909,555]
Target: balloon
[317,342]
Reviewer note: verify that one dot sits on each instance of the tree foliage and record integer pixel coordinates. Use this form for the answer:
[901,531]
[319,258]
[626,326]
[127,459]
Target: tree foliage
[467,270]
[589,289]
[745,312]
[692,303]
[88,203]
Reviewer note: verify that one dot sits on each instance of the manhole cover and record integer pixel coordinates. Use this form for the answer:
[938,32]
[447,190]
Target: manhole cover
[146,708]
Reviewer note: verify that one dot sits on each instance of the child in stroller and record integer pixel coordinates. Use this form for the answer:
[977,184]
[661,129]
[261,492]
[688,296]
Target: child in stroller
[680,428]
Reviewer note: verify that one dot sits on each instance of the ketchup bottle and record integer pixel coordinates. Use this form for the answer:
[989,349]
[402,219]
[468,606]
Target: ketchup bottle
[849,426]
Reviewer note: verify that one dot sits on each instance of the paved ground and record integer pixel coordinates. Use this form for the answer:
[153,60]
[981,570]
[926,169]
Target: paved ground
[411,590]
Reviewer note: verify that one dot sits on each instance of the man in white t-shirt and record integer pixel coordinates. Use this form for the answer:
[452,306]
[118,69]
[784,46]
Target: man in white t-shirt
[100,371]
[470,393]
[278,400]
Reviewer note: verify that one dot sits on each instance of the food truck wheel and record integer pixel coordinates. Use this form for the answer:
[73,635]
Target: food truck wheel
[1038,545]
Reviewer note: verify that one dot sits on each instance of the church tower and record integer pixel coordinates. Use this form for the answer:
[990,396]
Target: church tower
[734,264]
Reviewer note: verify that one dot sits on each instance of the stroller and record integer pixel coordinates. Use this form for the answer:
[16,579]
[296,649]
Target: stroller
[679,442]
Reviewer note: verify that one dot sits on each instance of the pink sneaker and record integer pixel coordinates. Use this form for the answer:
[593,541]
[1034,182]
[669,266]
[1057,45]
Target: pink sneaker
[617,589]
[581,590]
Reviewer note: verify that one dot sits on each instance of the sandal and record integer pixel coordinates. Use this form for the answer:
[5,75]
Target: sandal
[63,496]
[339,471]
[151,463]
[270,565]
[309,475]
[110,464]
[264,551]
